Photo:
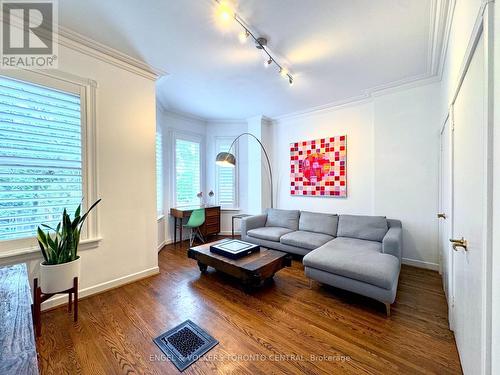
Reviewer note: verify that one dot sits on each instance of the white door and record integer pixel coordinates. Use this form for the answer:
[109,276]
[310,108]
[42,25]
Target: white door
[469,193]
[445,213]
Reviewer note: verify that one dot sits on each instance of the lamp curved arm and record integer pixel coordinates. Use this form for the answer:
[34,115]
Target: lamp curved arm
[265,154]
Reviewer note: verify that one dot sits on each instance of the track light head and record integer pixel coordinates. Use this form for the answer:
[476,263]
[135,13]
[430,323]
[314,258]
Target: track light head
[243,36]
[290,80]
[268,62]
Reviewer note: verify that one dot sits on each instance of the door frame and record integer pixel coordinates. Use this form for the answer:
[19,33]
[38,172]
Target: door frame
[483,27]
[451,290]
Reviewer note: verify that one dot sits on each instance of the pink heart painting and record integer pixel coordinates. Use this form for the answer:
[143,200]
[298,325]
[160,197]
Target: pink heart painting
[319,167]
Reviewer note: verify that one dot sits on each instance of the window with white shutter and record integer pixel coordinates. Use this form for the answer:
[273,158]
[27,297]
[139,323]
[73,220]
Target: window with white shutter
[226,181]
[187,171]
[159,173]
[40,156]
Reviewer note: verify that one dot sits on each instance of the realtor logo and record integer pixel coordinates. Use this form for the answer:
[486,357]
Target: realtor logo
[29,32]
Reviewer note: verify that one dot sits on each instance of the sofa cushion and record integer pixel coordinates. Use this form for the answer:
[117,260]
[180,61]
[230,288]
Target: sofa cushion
[268,233]
[318,223]
[306,240]
[371,228]
[283,218]
[274,245]
[360,260]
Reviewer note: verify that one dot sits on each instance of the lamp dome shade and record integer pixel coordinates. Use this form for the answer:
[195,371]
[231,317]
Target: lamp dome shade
[225,159]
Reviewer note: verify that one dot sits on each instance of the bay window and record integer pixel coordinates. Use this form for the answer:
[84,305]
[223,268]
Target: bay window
[187,178]
[226,177]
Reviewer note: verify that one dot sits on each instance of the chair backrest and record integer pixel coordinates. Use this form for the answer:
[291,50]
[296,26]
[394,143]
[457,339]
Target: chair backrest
[197,218]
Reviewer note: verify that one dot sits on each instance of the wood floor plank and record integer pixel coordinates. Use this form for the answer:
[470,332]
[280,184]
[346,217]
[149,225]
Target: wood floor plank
[284,327]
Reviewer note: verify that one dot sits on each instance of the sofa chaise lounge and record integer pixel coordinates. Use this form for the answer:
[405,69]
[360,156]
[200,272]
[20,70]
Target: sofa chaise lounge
[361,254]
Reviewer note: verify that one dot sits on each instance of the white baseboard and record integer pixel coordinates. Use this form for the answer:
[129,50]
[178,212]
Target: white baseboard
[228,233]
[160,245]
[165,243]
[99,288]
[421,264]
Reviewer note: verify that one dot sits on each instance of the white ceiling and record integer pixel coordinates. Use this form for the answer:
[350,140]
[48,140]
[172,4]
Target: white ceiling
[336,49]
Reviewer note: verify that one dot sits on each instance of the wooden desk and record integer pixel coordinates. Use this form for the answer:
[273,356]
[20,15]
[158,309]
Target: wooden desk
[17,342]
[211,226]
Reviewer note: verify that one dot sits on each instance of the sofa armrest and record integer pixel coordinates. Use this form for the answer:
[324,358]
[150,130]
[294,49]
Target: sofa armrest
[252,222]
[393,239]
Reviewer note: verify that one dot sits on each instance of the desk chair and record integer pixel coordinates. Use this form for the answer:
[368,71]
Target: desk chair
[194,223]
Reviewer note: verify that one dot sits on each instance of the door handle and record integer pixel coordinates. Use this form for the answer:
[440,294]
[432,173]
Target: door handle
[459,243]
[441,216]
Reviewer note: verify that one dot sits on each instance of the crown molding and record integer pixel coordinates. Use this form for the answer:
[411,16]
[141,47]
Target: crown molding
[192,117]
[446,14]
[180,115]
[403,85]
[92,48]
[329,107]
[224,121]
[366,97]
[65,76]
[438,16]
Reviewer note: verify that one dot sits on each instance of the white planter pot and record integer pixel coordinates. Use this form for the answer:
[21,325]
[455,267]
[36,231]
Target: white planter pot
[58,277]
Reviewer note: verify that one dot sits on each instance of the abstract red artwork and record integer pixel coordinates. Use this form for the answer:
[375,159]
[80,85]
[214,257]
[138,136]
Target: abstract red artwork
[319,168]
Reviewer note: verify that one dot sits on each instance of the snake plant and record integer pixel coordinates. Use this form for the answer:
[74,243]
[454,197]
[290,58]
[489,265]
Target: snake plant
[62,246]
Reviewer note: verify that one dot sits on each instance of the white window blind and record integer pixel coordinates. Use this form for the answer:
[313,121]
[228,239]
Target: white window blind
[226,191]
[159,174]
[40,156]
[187,172]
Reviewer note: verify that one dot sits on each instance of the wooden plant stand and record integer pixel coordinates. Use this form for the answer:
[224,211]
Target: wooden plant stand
[40,297]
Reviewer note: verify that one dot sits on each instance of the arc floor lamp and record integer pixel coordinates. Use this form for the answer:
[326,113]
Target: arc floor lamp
[226,159]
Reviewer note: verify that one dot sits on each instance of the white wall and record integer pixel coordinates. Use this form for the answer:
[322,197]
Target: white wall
[406,151]
[126,177]
[496,205]
[392,163]
[357,123]
[464,16]
[259,194]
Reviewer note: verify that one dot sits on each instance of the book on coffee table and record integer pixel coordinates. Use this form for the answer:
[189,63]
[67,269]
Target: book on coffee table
[234,249]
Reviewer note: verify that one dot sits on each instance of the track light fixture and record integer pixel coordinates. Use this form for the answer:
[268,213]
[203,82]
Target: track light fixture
[225,12]
[243,36]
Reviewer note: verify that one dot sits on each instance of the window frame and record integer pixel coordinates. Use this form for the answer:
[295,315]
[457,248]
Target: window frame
[235,206]
[86,89]
[190,137]
[160,210]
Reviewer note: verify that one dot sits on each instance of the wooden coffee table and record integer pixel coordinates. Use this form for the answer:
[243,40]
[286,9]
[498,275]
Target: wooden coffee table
[252,270]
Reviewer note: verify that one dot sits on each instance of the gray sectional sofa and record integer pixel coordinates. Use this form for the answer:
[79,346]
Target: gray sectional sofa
[361,254]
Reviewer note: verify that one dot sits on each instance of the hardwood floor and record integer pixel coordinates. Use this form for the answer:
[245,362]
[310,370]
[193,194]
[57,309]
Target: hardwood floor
[285,327]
